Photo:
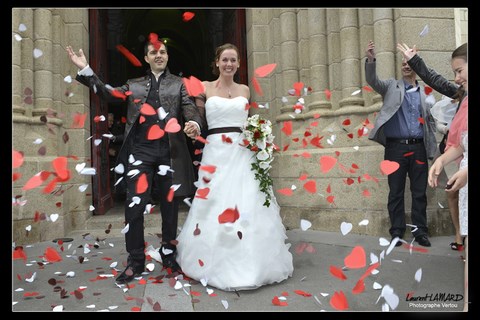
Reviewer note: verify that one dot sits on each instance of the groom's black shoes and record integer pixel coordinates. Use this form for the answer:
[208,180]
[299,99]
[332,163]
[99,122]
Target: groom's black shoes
[168,260]
[133,269]
[172,264]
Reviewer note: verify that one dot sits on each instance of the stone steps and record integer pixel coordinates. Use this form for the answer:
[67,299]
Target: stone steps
[98,224]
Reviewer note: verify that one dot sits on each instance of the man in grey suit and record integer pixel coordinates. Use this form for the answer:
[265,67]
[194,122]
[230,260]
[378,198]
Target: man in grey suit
[152,101]
[405,127]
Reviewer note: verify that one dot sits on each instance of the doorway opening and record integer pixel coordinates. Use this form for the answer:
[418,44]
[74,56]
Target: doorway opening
[191,48]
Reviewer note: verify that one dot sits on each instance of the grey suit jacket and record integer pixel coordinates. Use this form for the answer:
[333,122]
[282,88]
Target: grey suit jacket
[393,92]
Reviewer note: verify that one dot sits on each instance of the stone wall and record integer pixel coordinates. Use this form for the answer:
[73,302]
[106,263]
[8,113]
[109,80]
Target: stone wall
[42,115]
[325,50]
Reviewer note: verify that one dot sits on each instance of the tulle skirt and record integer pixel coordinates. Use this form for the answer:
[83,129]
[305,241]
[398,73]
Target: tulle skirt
[240,255]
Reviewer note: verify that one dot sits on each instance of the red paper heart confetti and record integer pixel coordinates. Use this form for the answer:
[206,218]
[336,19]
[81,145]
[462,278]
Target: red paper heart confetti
[142,183]
[327,163]
[302,293]
[79,120]
[356,259]
[187,16]
[257,87]
[155,132]
[17,158]
[172,126]
[277,302]
[229,215]
[359,287]
[287,128]
[428,90]
[18,253]
[60,166]
[285,191]
[388,167]
[52,255]
[328,94]
[338,273]
[339,301]
[298,86]
[265,70]
[130,56]
[147,110]
[36,180]
[194,86]
[170,194]
[202,193]
[310,186]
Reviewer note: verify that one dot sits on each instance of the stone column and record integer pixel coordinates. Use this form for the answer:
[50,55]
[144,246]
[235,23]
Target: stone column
[334,60]
[365,22]
[385,46]
[22,63]
[43,91]
[348,22]
[303,47]
[289,73]
[318,52]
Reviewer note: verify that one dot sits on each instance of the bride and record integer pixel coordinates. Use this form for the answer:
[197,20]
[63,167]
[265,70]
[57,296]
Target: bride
[251,251]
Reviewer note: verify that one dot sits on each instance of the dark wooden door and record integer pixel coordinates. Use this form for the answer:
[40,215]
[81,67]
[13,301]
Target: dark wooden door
[102,196]
[234,31]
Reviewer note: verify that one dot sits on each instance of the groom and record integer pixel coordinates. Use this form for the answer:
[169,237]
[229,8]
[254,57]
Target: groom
[147,146]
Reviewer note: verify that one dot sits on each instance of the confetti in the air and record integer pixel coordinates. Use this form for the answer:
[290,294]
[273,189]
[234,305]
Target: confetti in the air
[37,53]
[187,16]
[424,31]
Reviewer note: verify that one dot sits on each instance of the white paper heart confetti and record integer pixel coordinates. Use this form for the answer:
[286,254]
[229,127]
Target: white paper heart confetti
[418,275]
[346,227]
[363,222]
[37,53]
[161,113]
[225,304]
[178,285]
[79,167]
[383,242]
[150,267]
[120,169]
[305,224]
[125,229]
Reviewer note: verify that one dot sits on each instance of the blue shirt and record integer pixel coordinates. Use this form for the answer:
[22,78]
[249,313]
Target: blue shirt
[405,124]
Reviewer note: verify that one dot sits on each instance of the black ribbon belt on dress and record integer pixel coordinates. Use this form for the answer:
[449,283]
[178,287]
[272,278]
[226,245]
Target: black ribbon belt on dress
[406,141]
[224,130]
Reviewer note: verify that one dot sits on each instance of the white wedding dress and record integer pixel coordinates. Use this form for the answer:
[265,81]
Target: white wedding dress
[251,251]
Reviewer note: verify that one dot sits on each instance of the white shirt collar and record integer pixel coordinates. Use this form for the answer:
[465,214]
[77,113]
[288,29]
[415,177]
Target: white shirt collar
[157,75]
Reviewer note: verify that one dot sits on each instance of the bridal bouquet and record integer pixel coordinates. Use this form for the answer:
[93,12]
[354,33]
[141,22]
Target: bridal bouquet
[259,139]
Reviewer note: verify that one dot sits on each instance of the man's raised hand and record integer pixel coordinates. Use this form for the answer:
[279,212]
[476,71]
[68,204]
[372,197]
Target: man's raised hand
[78,60]
[408,53]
